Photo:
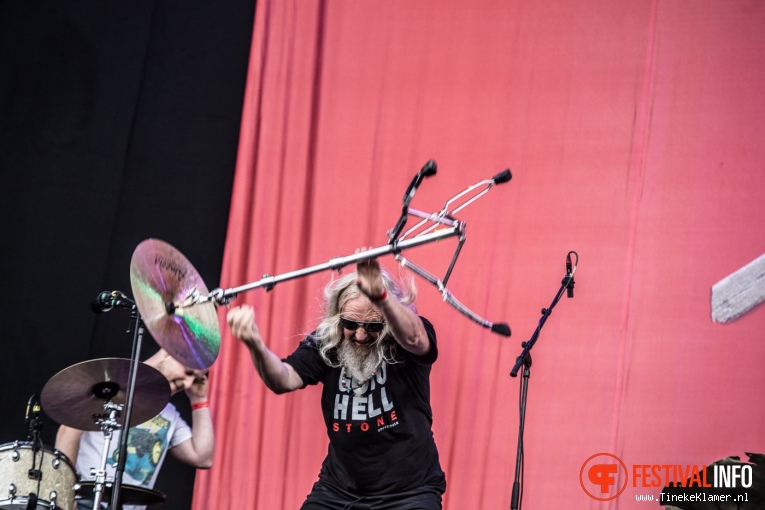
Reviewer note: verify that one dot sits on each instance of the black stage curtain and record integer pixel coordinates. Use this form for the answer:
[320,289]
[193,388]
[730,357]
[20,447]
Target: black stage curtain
[119,122]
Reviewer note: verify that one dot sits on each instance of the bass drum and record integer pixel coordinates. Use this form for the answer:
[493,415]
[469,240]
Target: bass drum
[26,475]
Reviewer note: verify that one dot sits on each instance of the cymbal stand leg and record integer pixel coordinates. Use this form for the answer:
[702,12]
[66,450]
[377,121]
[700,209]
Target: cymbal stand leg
[107,426]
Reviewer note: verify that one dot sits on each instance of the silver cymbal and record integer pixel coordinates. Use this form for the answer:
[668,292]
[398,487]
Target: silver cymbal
[76,395]
[162,280]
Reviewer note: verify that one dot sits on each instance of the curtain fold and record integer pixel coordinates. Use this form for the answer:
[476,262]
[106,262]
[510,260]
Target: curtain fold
[632,130]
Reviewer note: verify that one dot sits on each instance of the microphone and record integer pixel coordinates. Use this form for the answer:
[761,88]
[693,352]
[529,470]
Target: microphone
[111,299]
[33,410]
[570,276]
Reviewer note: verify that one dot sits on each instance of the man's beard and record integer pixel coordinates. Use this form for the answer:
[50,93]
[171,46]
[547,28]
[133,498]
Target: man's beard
[359,360]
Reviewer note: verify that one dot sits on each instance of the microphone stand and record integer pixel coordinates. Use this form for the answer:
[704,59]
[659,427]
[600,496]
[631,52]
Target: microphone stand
[443,225]
[525,360]
[35,426]
[134,361]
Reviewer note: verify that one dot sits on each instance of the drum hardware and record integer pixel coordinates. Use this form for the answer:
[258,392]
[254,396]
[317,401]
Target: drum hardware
[108,426]
[168,290]
[107,388]
[131,494]
[48,483]
[92,395]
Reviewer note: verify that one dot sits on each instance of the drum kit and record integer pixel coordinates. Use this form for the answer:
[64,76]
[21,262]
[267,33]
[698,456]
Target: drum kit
[172,302]
[103,394]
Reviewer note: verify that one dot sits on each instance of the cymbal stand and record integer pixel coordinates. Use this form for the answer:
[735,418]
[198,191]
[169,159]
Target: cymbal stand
[107,425]
[444,226]
[525,360]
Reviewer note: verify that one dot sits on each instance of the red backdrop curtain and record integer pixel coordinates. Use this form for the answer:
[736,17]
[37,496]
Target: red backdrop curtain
[634,130]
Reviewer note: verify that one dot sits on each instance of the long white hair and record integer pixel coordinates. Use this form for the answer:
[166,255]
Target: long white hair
[329,333]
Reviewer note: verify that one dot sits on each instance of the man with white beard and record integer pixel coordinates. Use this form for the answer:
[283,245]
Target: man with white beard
[373,355]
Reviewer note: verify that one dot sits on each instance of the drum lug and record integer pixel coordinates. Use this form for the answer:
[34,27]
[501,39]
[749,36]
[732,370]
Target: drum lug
[12,489]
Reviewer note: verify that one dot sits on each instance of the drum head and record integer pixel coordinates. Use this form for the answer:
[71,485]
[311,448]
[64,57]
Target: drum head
[52,481]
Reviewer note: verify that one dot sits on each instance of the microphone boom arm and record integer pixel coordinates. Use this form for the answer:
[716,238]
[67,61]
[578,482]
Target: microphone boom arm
[499,328]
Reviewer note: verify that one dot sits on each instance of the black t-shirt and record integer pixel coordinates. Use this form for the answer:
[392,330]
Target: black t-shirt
[380,437]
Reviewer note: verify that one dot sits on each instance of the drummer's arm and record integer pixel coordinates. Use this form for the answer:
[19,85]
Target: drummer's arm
[198,450]
[68,441]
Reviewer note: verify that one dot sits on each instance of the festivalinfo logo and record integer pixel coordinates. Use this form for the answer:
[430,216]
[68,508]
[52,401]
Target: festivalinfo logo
[605,476]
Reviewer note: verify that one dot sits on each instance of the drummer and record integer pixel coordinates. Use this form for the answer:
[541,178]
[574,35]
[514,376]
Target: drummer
[149,442]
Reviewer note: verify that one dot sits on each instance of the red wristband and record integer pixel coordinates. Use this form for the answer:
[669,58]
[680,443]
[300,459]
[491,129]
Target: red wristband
[200,405]
[381,297]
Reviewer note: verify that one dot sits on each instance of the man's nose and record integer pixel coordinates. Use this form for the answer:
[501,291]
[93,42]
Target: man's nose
[361,333]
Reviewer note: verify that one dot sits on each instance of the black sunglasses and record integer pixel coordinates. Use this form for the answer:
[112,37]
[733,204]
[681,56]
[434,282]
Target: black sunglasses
[369,327]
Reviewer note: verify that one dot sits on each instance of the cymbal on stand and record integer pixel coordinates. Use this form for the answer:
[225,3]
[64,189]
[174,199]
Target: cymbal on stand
[162,280]
[76,395]
[129,494]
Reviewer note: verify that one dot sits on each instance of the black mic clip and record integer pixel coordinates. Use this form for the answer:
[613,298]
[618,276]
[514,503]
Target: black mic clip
[568,280]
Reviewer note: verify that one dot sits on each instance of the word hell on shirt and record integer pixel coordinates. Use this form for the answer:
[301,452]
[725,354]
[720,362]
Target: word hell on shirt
[369,403]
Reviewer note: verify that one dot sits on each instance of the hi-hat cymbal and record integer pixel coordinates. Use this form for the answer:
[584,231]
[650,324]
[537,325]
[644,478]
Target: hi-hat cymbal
[162,280]
[129,494]
[76,395]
